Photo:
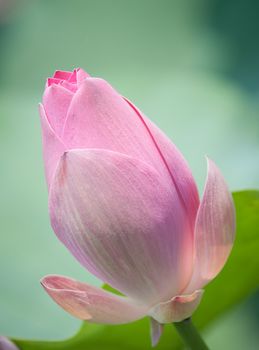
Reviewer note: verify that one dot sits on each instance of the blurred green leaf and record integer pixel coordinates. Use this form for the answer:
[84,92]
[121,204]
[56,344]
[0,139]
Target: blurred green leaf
[238,279]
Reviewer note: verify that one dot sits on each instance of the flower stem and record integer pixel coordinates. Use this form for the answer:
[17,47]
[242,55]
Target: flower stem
[190,335]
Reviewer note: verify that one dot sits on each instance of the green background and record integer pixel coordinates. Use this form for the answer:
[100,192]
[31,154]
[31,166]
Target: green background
[191,66]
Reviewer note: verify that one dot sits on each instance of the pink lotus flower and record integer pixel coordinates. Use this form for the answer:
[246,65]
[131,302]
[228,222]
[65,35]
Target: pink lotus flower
[123,201]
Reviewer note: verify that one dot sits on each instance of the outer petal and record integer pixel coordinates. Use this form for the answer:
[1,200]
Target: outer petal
[214,229]
[91,303]
[122,222]
[56,100]
[53,147]
[100,118]
[176,165]
[177,309]
[6,344]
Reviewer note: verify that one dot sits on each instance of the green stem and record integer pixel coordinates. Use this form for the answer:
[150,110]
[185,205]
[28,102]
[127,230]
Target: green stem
[190,335]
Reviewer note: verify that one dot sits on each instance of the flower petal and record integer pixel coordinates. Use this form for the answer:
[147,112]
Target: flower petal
[7,344]
[100,118]
[81,75]
[176,165]
[53,147]
[62,75]
[90,303]
[177,309]
[121,221]
[214,229]
[156,329]
[56,100]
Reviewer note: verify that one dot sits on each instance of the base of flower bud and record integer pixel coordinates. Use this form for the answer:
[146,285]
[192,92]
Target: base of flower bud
[176,309]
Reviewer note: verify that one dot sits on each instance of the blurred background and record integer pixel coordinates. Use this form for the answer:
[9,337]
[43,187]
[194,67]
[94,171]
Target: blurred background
[191,66]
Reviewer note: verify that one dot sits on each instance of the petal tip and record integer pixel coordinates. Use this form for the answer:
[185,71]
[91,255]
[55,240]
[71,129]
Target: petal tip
[54,284]
[210,163]
[87,302]
[156,330]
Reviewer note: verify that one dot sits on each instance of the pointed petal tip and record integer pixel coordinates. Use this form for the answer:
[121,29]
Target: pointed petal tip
[156,330]
[67,156]
[56,283]
[91,303]
[83,72]
[210,164]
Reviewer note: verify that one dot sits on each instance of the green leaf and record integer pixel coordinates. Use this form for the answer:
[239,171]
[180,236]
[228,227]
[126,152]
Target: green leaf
[238,280]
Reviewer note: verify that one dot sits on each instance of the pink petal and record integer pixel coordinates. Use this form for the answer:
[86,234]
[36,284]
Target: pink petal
[72,87]
[56,100]
[177,309]
[120,219]
[214,230]
[156,331]
[90,303]
[62,75]
[100,118]
[78,76]
[7,344]
[53,147]
[52,81]
[176,165]
[81,75]
[69,79]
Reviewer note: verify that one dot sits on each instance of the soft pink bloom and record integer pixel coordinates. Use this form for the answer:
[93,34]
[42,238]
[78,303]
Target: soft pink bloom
[123,201]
